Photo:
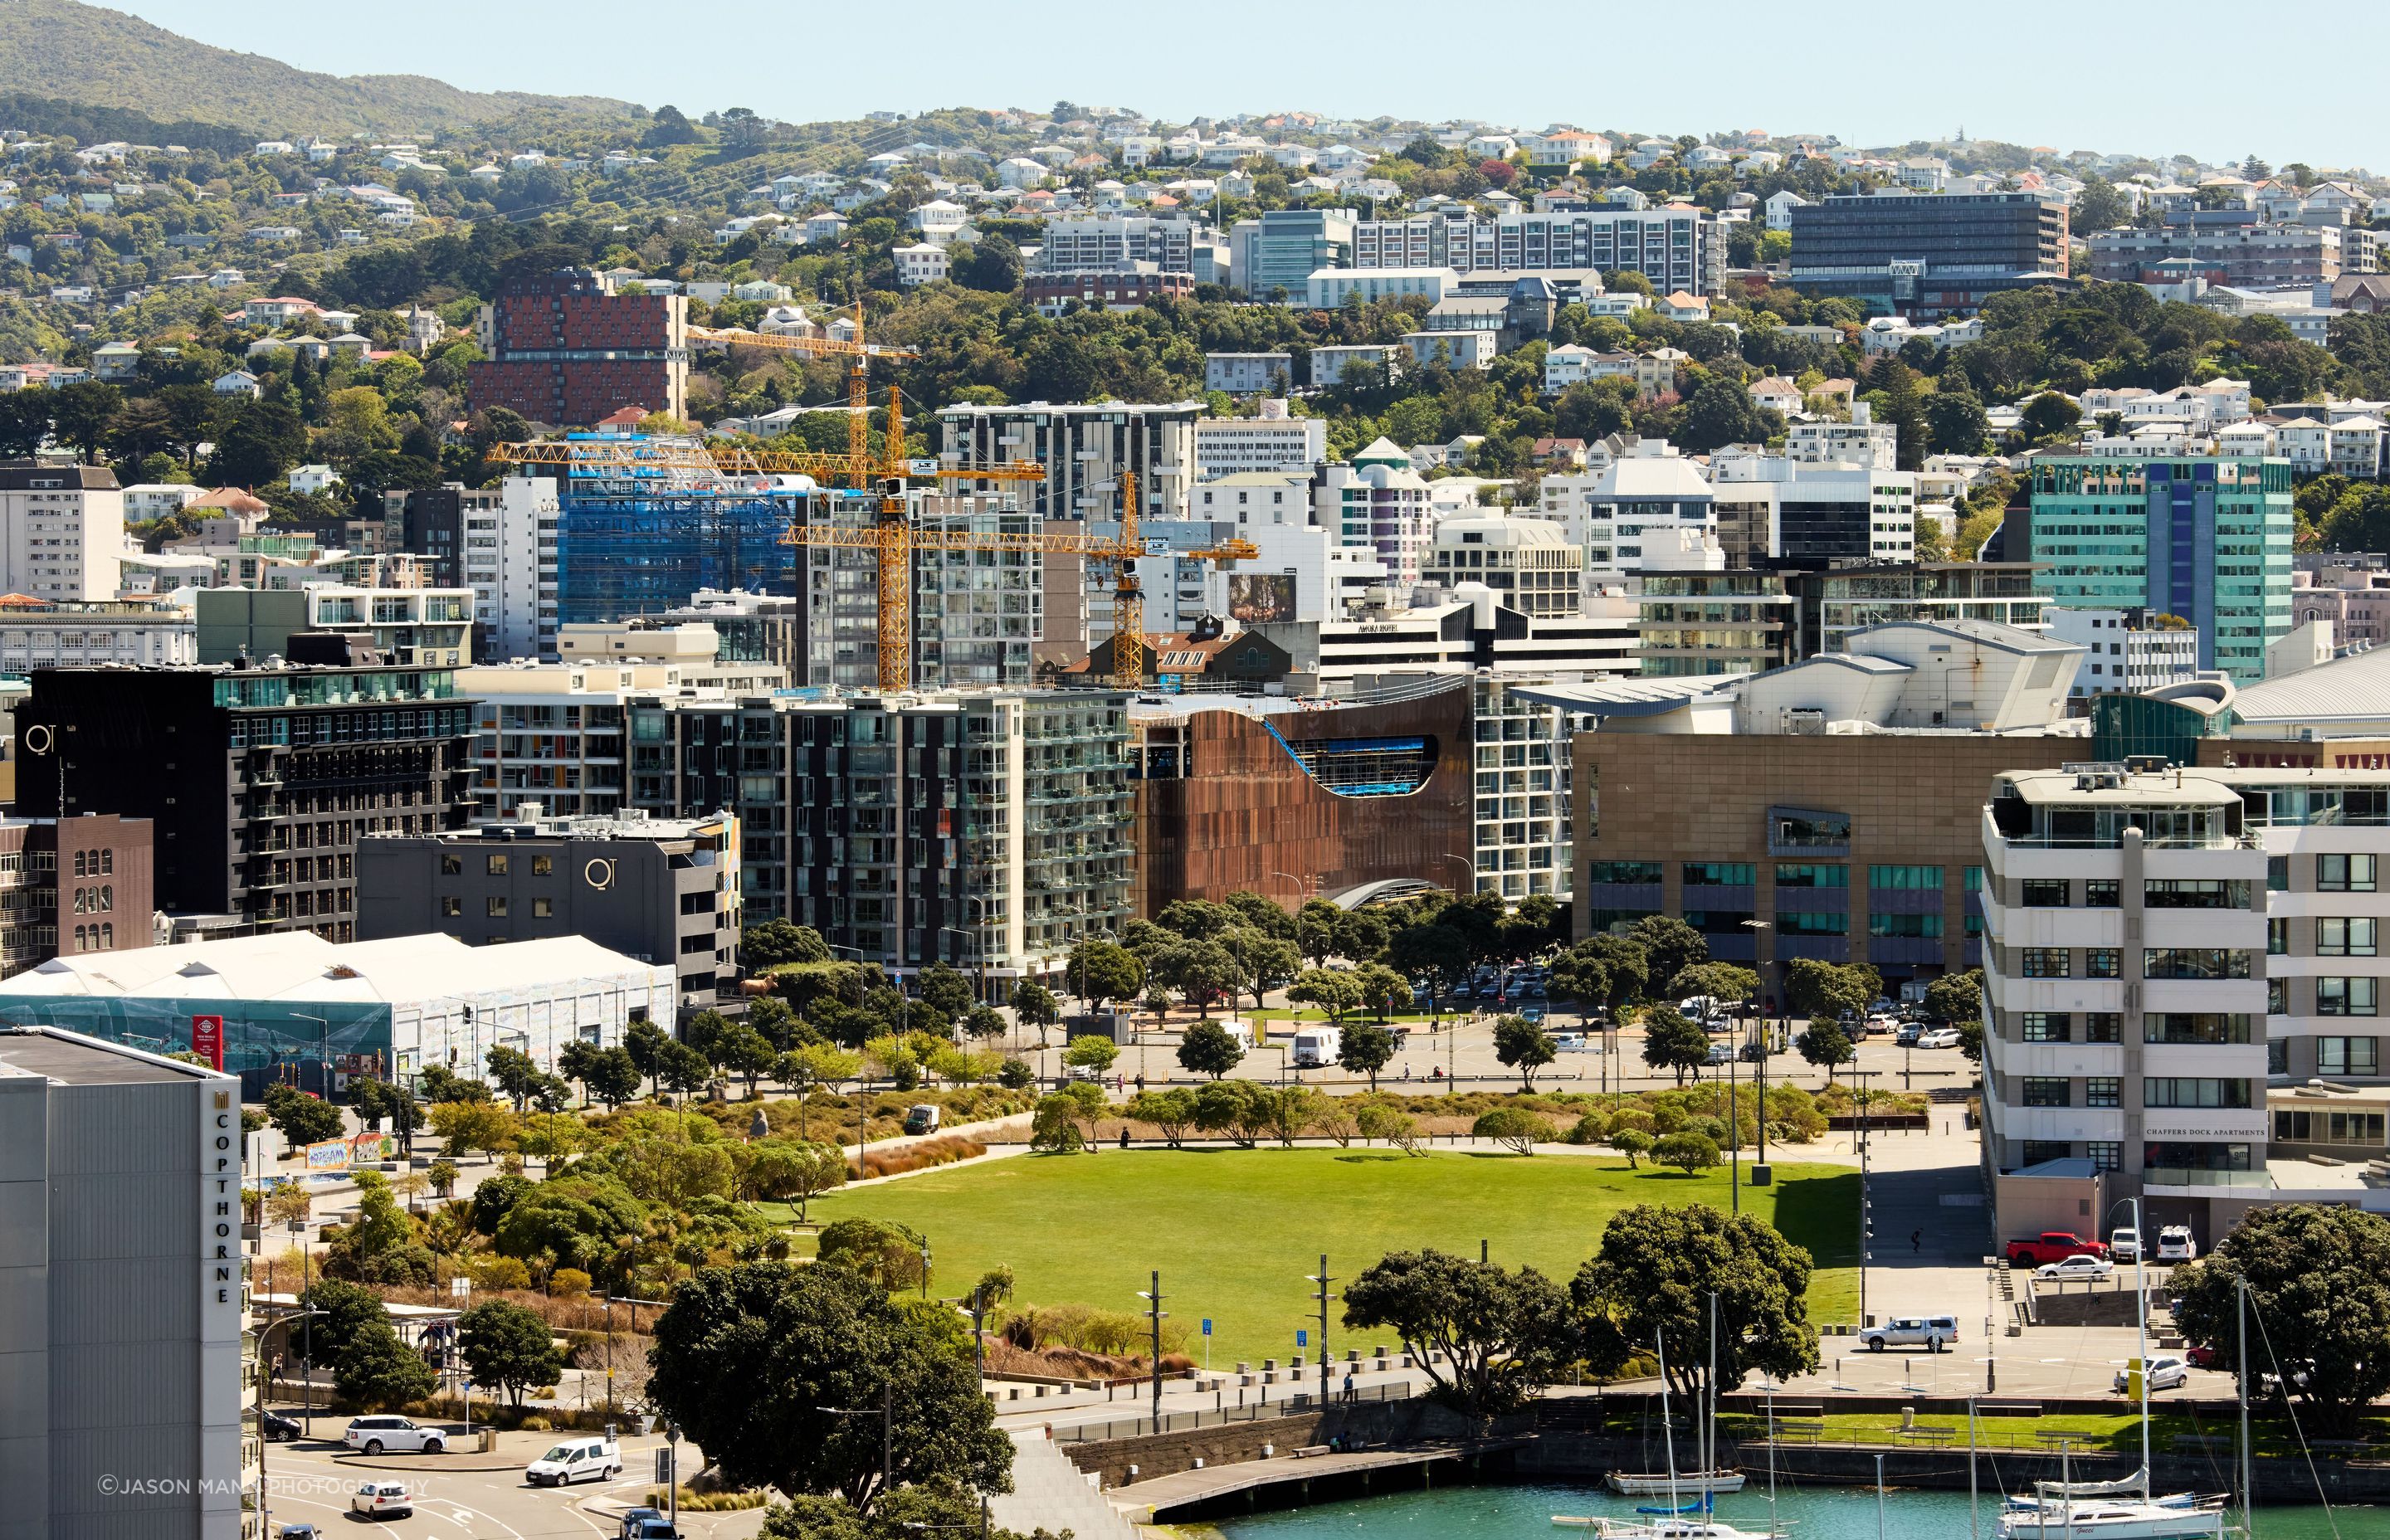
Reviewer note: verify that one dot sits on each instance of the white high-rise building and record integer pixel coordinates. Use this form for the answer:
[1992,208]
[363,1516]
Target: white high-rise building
[509,562]
[62,530]
[1272,442]
[2124,994]
[1084,449]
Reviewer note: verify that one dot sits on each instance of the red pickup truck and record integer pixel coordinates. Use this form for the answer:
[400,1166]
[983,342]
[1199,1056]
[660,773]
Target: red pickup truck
[2052,1246]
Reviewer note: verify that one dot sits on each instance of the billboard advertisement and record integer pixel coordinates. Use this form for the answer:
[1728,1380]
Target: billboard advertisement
[207,1039]
[1255,598]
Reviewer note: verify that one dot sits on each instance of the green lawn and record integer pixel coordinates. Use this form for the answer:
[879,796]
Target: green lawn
[1235,1231]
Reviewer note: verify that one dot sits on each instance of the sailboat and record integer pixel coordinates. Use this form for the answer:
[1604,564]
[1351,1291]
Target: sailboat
[2125,1509]
[1709,1482]
[1677,1520]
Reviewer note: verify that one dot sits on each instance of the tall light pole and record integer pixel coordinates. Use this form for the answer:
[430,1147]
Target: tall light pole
[1759,929]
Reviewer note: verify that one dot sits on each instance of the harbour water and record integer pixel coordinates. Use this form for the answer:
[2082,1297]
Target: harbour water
[1809,1513]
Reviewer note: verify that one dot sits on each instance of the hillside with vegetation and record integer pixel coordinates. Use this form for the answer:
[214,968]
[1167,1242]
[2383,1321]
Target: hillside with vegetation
[88,53]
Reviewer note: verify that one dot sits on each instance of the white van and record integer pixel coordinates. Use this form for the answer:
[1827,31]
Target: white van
[579,1459]
[1317,1048]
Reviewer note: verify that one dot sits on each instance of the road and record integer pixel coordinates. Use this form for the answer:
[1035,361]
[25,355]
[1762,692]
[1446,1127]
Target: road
[482,1497]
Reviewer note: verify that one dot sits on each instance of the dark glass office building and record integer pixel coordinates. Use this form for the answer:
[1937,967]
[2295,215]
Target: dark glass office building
[1929,253]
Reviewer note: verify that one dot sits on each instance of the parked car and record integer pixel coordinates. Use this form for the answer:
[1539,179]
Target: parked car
[375,1434]
[1720,1053]
[2051,1246]
[2125,1244]
[298,1532]
[1534,1014]
[635,1518]
[2175,1243]
[1927,1332]
[2084,1267]
[2201,1356]
[383,1500]
[1750,1053]
[278,1429]
[580,1459]
[1940,1037]
[2166,1372]
[1906,1034]
[1884,1021]
[1571,1041]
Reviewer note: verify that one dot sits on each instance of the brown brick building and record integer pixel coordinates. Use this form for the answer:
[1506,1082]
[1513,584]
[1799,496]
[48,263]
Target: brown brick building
[1852,847]
[564,352]
[80,885]
[1295,803]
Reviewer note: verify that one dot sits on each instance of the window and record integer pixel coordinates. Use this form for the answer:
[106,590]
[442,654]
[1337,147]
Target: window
[2277,938]
[2102,962]
[2048,1093]
[2348,1056]
[452,866]
[2278,1056]
[2044,892]
[1813,922]
[2278,874]
[2341,996]
[450,907]
[1926,926]
[1906,878]
[496,906]
[2345,874]
[2194,1027]
[2103,1026]
[107,862]
[2038,1150]
[2105,894]
[2359,1128]
[2103,1091]
[2185,893]
[2106,1154]
[543,866]
[2047,1026]
[497,865]
[1972,877]
[2194,962]
[2193,1155]
[2193,1091]
[2348,938]
[2044,962]
[1623,871]
[1718,874]
[1814,875]
[543,908]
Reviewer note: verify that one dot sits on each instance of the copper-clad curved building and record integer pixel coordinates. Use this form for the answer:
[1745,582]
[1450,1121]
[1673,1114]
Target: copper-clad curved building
[1244,792]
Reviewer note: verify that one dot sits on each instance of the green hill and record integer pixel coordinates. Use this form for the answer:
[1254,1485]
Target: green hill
[83,52]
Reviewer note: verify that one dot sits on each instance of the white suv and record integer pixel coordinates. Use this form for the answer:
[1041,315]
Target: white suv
[1927,1332]
[383,1500]
[2175,1244]
[375,1434]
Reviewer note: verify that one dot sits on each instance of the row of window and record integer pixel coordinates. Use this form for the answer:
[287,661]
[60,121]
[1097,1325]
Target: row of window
[2157,962]
[2334,938]
[1788,874]
[2107,1026]
[498,864]
[494,907]
[95,863]
[2161,1155]
[2357,1128]
[95,938]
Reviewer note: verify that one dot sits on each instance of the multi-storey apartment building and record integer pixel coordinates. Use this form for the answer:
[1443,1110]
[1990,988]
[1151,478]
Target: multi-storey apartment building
[560,349]
[2235,248]
[988,829]
[2125,994]
[415,627]
[2205,539]
[1377,504]
[664,891]
[2131,651]
[138,633]
[1675,247]
[258,781]
[81,884]
[1926,254]
[977,615]
[1085,245]
[1271,440]
[1083,449]
[508,560]
[62,530]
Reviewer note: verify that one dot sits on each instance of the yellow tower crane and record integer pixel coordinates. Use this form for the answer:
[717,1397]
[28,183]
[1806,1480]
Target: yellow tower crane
[858,395]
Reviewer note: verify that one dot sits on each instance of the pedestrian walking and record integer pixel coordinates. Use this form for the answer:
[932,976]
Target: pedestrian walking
[1916,1241]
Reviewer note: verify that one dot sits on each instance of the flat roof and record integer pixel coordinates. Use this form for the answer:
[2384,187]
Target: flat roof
[2158,789]
[299,966]
[75,1059]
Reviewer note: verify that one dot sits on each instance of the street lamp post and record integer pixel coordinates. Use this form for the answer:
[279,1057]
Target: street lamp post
[1759,929]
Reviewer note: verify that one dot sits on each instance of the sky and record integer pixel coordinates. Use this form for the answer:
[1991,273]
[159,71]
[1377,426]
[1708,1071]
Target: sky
[2194,77]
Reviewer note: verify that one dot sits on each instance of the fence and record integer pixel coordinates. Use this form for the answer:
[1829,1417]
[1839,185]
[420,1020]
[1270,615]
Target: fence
[1300,1404]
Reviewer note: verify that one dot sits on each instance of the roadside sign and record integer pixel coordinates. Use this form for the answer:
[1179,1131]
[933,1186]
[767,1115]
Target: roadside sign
[207,1039]
[1207,1325]
[1302,1338]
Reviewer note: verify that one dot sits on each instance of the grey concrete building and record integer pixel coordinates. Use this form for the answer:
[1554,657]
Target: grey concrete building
[121,1293]
[664,891]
